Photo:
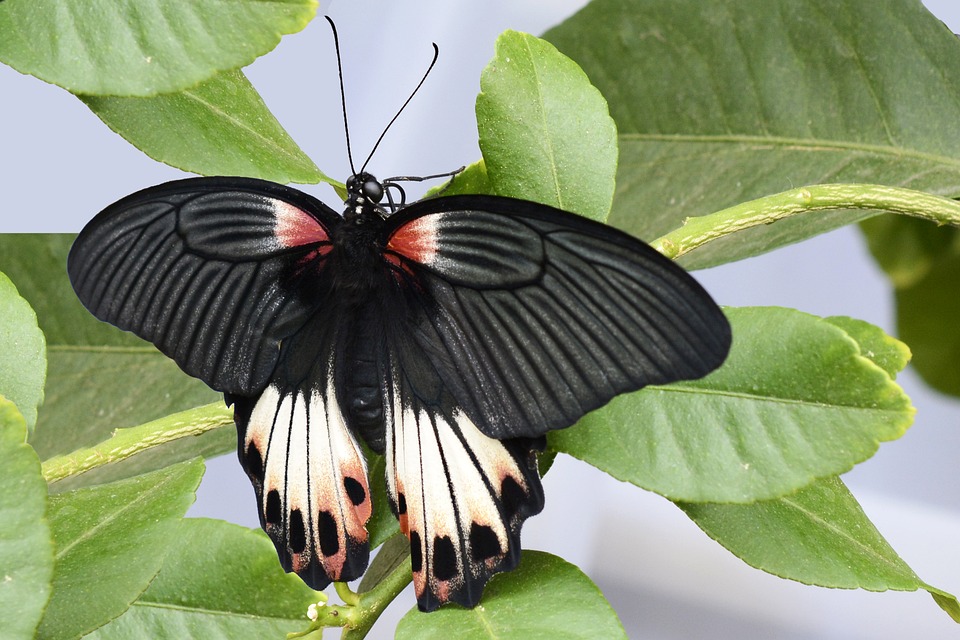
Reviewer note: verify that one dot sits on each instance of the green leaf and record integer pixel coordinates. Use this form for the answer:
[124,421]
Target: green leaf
[382,524]
[886,352]
[722,102]
[796,400]
[141,47]
[394,553]
[923,262]
[218,581]
[23,353]
[818,535]
[99,378]
[545,597]
[908,248]
[545,131]
[473,179]
[26,547]
[219,127]
[928,314]
[110,543]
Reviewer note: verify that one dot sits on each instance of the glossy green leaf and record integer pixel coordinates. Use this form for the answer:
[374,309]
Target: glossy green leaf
[99,378]
[110,542]
[219,127]
[26,546]
[141,47]
[928,316]
[545,131]
[818,535]
[23,353]
[218,581]
[721,102]
[544,598]
[796,400]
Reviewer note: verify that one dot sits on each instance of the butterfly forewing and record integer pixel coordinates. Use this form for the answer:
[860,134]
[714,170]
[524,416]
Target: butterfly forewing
[212,271]
[581,312]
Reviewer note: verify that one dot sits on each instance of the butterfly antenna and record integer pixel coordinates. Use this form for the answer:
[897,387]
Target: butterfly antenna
[436,54]
[343,96]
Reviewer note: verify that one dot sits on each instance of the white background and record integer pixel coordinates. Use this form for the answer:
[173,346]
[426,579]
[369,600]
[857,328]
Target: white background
[59,166]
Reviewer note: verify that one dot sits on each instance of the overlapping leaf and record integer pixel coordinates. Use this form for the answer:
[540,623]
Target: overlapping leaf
[545,597]
[100,378]
[923,263]
[23,362]
[818,535]
[26,546]
[796,400]
[218,581]
[545,131]
[110,542]
[141,47]
[722,102]
[219,127]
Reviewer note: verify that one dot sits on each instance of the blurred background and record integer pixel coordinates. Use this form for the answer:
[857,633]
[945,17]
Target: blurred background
[59,166]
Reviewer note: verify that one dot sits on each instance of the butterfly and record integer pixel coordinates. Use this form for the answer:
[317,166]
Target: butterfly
[449,335]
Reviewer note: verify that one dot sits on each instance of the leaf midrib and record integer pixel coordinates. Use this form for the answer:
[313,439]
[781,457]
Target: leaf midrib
[156,604]
[90,533]
[867,550]
[678,387]
[808,144]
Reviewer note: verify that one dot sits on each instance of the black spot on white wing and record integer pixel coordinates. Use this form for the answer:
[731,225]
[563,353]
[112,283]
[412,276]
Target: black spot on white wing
[461,497]
[310,479]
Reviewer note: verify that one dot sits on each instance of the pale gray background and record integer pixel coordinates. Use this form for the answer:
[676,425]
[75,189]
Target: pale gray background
[59,165]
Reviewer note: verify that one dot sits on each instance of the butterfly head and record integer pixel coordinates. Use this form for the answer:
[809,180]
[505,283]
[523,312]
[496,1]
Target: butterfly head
[363,188]
[365,193]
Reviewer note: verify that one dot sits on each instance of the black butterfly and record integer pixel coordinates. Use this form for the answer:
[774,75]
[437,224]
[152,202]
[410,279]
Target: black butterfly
[450,335]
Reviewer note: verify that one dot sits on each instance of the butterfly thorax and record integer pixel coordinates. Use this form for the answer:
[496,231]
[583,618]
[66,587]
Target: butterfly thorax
[356,242]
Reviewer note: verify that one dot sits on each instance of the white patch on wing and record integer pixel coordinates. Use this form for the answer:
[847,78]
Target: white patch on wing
[474,483]
[441,481]
[272,415]
[296,475]
[261,420]
[309,453]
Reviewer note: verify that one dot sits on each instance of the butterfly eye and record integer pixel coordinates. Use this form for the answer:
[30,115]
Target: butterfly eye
[372,190]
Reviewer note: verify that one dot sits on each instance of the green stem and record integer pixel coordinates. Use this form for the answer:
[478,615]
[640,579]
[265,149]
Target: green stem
[125,443]
[697,232]
[373,602]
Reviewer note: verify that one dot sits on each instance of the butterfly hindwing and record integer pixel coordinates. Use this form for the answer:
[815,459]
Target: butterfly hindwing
[306,465]
[537,316]
[211,270]
[461,496]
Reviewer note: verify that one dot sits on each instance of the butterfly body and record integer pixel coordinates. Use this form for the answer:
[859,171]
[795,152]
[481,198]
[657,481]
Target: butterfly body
[449,335]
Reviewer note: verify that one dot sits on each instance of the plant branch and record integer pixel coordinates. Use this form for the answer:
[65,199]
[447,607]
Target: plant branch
[372,603]
[698,231]
[125,443]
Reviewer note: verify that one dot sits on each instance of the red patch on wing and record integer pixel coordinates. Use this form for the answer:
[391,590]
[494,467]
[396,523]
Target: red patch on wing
[416,240]
[295,227]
